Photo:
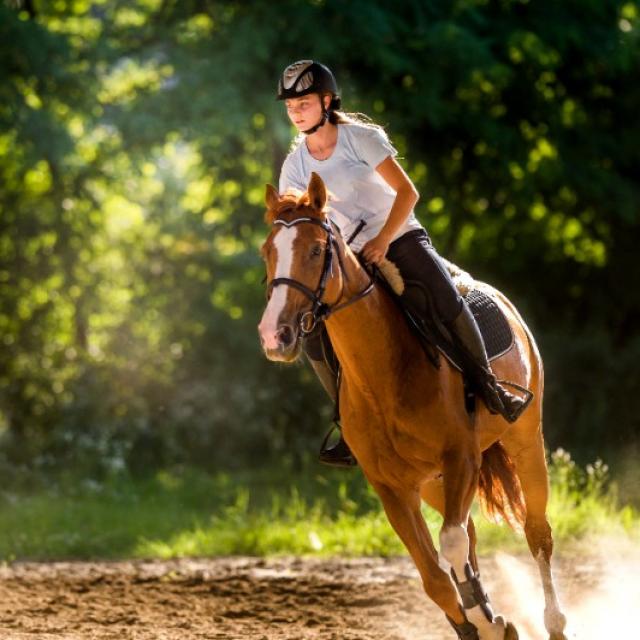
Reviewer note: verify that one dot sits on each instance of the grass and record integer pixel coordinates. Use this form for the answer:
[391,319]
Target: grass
[272,511]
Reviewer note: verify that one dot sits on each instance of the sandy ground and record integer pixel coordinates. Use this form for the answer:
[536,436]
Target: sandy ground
[293,598]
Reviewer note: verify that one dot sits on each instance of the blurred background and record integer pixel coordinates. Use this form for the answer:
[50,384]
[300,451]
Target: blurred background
[136,138]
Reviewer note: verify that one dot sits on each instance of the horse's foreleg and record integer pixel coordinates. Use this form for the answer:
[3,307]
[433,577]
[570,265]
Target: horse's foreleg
[531,468]
[471,532]
[432,493]
[460,474]
[403,511]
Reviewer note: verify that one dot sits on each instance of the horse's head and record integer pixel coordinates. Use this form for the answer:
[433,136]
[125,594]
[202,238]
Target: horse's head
[299,254]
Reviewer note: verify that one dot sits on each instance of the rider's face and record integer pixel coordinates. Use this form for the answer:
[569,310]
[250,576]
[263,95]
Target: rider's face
[304,112]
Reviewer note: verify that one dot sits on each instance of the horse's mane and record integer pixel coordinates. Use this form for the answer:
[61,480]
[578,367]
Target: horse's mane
[292,199]
[289,202]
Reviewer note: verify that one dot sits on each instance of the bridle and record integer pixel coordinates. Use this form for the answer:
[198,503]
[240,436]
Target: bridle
[319,310]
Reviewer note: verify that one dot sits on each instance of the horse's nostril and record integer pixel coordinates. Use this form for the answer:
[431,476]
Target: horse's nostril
[285,335]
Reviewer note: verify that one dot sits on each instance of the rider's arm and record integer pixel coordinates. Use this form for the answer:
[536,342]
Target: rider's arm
[406,197]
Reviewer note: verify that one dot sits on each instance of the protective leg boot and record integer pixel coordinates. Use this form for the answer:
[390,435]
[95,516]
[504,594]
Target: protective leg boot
[465,631]
[495,396]
[337,454]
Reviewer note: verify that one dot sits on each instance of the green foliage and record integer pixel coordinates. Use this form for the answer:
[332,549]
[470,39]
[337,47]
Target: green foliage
[135,141]
[265,512]
[583,505]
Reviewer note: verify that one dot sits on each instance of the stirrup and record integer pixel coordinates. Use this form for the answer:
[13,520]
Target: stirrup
[514,414]
[337,455]
[500,401]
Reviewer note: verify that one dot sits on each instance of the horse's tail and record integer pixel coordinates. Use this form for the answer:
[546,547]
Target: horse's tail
[499,488]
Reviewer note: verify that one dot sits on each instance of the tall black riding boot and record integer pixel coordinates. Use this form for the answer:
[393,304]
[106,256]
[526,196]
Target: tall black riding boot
[496,397]
[338,454]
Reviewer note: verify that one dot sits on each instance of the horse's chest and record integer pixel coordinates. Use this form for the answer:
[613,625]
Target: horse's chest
[388,451]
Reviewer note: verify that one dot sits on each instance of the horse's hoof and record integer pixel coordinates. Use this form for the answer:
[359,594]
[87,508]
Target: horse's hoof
[558,636]
[510,633]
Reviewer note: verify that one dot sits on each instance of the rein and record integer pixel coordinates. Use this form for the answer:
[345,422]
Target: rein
[320,310]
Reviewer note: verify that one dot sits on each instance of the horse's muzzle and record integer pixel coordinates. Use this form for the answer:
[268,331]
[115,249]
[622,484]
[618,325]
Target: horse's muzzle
[282,345]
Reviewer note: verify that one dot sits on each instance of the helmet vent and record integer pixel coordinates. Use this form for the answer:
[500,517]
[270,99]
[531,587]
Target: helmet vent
[292,73]
[306,76]
[305,82]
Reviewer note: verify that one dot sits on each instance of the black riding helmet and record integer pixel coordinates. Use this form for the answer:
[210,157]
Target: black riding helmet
[307,76]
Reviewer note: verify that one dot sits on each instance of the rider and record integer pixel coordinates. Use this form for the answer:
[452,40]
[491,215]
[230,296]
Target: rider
[371,192]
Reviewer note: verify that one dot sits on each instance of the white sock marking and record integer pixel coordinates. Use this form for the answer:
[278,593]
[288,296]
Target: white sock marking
[554,619]
[454,546]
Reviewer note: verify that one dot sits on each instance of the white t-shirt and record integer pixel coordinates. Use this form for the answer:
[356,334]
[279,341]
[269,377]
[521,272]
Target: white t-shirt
[356,190]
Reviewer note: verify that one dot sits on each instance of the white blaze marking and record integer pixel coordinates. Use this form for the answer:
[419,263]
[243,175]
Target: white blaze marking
[268,328]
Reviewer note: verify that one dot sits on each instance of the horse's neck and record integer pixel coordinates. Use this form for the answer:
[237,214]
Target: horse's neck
[370,336]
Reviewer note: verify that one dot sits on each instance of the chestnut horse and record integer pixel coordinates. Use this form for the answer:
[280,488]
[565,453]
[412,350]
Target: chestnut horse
[405,419]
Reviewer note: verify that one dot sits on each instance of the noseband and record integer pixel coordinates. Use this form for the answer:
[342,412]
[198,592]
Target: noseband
[319,310]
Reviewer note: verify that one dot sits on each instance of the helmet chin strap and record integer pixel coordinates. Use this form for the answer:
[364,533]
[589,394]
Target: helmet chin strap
[325,115]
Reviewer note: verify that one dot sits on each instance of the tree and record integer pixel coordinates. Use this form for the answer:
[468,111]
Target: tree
[136,141]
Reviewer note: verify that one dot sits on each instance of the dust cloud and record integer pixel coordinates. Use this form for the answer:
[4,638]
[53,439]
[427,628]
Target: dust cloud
[598,588]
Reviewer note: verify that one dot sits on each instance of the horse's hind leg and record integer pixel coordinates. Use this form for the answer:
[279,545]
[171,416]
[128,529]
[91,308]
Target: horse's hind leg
[403,511]
[460,474]
[531,467]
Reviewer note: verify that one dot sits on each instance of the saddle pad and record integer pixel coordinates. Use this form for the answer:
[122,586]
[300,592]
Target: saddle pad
[496,332]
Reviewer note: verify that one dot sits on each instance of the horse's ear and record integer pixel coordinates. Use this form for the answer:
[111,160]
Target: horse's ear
[272,200]
[317,192]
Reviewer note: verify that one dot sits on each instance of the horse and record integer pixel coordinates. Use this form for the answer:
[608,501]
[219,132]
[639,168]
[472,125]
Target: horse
[404,419]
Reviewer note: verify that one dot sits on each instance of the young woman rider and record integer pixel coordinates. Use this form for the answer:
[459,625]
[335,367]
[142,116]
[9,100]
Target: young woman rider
[371,191]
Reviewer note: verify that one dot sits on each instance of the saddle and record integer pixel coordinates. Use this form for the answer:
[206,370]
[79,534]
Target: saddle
[495,329]
[435,337]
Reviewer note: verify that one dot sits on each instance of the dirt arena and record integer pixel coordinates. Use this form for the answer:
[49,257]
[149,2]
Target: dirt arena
[292,598]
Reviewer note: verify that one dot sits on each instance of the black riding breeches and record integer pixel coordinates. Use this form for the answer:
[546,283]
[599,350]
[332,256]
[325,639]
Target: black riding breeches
[428,289]
[427,279]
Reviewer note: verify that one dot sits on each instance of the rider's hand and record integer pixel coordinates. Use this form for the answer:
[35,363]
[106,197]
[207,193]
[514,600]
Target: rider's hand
[375,250]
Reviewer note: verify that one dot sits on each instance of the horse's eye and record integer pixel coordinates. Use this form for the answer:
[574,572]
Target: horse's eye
[317,250]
